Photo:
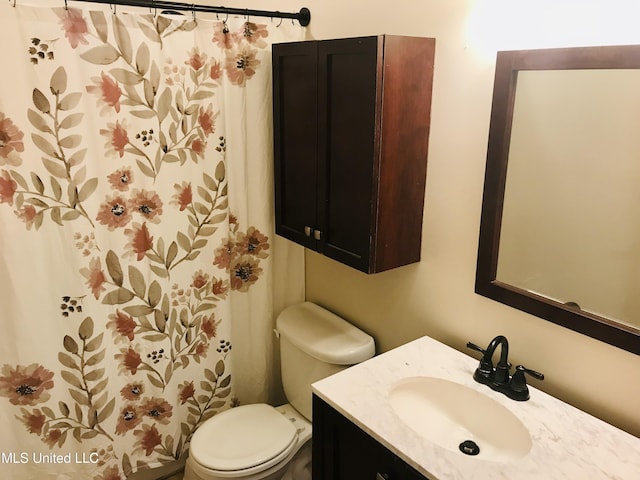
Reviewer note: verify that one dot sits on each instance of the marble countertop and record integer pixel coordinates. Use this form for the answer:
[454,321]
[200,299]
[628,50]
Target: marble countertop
[567,443]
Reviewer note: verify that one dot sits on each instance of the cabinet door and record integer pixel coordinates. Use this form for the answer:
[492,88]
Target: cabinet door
[347,90]
[295,77]
[341,451]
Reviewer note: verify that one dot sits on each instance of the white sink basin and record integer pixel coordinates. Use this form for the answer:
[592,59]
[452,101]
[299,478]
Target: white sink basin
[448,413]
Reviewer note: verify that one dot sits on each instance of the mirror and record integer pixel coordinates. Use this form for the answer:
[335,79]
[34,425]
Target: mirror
[560,228]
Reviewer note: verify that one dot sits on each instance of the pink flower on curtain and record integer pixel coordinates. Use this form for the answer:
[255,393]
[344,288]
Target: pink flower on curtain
[129,360]
[210,326]
[186,391]
[114,212]
[27,214]
[117,137]
[132,391]
[8,188]
[196,60]
[74,25]
[241,65]
[198,146]
[179,295]
[140,241]
[53,437]
[128,419]
[108,91]
[255,34]
[95,277]
[200,350]
[121,179]
[220,288]
[221,35]
[216,70]
[123,325]
[199,279]
[148,438]
[85,243]
[253,243]
[174,74]
[183,196]
[222,255]
[34,421]
[147,204]
[10,138]
[244,272]
[207,120]
[26,385]
[157,409]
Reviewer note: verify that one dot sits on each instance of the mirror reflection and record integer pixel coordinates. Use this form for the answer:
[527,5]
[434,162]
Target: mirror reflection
[560,232]
[570,224]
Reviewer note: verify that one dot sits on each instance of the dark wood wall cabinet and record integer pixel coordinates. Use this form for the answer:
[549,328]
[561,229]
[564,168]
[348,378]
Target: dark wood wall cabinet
[351,131]
[342,451]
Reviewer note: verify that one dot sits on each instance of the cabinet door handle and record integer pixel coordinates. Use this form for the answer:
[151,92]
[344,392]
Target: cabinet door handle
[317,234]
[382,476]
[307,231]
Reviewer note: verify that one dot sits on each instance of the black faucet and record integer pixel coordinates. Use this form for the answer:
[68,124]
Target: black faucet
[499,378]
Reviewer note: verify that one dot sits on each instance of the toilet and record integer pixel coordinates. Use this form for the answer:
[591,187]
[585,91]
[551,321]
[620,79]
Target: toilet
[261,442]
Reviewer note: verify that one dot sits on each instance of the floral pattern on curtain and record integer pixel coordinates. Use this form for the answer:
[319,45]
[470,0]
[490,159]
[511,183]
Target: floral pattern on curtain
[122,242]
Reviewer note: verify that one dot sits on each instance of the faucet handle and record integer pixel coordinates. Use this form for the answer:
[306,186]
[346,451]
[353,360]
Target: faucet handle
[533,373]
[484,372]
[475,347]
[518,383]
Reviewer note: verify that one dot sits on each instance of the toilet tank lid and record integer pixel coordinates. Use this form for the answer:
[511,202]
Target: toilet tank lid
[324,335]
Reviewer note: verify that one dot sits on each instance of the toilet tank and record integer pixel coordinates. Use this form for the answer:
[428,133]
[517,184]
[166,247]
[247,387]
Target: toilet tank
[315,343]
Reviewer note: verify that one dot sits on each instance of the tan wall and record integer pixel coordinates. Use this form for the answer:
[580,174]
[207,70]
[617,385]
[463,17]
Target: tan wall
[436,297]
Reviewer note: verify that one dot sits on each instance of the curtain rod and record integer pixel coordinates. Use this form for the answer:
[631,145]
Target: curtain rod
[303,16]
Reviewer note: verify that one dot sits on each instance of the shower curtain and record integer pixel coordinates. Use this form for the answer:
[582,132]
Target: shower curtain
[137,246]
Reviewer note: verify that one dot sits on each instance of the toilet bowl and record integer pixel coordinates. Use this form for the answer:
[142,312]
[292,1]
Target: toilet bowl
[252,442]
[262,442]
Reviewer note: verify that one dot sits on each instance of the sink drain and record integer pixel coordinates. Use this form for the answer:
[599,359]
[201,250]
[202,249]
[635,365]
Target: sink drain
[469,447]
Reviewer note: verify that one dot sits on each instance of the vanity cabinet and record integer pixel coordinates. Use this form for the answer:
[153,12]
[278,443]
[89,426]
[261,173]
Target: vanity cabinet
[351,130]
[342,451]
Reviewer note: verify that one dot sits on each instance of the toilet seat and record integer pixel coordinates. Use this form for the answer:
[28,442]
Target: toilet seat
[243,440]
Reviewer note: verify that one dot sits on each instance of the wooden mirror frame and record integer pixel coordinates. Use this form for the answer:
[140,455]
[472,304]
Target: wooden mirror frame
[508,64]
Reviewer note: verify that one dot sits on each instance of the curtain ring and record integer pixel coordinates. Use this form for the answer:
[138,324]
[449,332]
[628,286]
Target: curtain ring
[113,7]
[66,6]
[152,9]
[225,27]
[281,18]
[193,13]
[14,3]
